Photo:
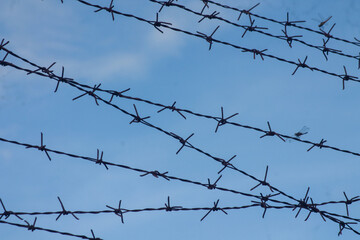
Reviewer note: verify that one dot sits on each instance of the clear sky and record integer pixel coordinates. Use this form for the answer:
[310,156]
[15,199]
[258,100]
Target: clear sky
[164,68]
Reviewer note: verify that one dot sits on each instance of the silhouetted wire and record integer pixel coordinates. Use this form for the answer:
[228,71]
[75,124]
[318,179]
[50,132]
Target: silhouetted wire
[158,24]
[301,204]
[221,120]
[281,22]
[215,15]
[51,75]
[32,227]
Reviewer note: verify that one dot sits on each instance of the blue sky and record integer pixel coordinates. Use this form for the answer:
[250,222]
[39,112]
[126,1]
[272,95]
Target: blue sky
[166,68]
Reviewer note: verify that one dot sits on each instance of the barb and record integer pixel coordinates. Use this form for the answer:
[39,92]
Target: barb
[157,24]
[99,159]
[108,9]
[172,108]
[90,93]
[272,133]
[64,212]
[289,39]
[264,183]
[7,213]
[320,145]
[118,211]
[214,209]
[346,77]
[252,28]
[209,38]
[263,202]
[223,120]
[42,147]
[226,163]
[302,65]
[213,186]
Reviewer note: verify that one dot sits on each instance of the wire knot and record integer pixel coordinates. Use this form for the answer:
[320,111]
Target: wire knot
[156,174]
[137,118]
[214,209]
[168,207]
[209,38]
[320,145]
[213,186]
[118,211]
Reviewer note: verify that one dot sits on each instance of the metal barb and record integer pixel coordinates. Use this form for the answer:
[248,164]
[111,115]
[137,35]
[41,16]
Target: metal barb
[247,12]
[320,145]
[213,186]
[209,16]
[226,163]
[302,65]
[99,159]
[271,133]
[214,209]
[118,211]
[264,183]
[172,108]
[137,118]
[290,23]
[209,38]
[169,208]
[90,93]
[223,120]
[117,94]
[64,212]
[156,174]
[157,24]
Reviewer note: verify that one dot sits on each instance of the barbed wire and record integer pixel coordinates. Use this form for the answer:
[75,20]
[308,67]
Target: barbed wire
[137,118]
[301,204]
[289,39]
[220,120]
[262,200]
[32,227]
[209,39]
[284,23]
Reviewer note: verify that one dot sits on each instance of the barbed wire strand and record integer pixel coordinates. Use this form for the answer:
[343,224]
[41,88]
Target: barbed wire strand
[215,15]
[185,143]
[220,120]
[247,12]
[301,204]
[32,227]
[209,38]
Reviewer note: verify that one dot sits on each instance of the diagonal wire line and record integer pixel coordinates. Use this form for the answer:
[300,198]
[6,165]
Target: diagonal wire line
[121,95]
[282,22]
[33,228]
[323,49]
